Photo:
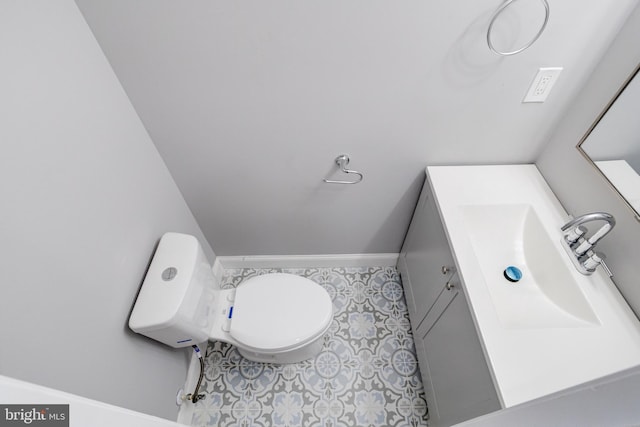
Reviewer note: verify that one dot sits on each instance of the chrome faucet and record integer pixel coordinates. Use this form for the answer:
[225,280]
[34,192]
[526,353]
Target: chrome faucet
[580,248]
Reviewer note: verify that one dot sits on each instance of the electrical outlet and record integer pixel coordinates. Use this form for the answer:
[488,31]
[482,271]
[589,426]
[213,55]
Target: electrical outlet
[542,84]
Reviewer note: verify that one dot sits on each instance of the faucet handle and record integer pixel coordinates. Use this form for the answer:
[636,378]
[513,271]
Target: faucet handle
[574,234]
[593,260]
[588,244]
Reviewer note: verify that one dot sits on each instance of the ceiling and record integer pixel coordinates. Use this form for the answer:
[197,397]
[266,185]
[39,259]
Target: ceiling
[250,102]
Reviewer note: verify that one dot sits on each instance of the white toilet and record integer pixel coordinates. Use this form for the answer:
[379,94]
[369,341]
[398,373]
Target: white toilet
[276,318]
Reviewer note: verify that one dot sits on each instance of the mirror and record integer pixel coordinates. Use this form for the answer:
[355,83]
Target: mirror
[612,144]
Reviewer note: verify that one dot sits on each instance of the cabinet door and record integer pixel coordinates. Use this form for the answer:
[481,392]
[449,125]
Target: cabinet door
[458,383]
[424,253]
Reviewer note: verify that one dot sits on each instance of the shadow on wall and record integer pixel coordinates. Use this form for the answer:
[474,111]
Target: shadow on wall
[398,215]
[469,61]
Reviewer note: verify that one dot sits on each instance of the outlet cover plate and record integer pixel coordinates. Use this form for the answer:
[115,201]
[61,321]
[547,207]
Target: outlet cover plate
[542,84]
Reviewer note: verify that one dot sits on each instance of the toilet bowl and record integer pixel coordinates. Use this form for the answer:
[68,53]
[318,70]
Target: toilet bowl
[275,318]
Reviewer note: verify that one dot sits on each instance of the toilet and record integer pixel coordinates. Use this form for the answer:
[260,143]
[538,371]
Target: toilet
[273,318]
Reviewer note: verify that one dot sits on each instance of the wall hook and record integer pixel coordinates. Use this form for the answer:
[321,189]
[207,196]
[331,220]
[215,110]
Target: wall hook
[342,161]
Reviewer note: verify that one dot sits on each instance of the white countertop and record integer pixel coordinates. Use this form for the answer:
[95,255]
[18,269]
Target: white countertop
[82,411]
[527,363]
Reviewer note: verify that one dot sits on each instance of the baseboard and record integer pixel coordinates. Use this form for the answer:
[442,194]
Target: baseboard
[304,261]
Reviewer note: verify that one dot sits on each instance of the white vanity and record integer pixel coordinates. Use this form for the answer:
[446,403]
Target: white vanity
[483,342]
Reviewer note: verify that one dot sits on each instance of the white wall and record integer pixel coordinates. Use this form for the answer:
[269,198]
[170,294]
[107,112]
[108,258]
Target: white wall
[250,102]
[82,411]
[576,183]
[85,197]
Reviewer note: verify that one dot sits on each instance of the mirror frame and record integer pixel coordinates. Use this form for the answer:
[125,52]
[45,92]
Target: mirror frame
[635,72]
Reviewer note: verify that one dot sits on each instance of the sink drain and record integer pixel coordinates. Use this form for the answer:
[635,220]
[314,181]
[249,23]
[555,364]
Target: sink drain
[512,274]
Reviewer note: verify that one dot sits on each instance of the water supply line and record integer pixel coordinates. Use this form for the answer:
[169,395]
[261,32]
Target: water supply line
[194,397]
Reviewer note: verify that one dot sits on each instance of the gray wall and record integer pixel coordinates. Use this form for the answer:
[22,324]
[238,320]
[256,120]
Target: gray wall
[576,182]
[85,196]
[610,401]
[250,102]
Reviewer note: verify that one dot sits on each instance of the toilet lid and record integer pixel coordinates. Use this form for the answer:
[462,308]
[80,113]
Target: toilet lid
[279,311]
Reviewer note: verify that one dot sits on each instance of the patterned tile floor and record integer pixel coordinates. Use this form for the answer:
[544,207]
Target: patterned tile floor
[366,374]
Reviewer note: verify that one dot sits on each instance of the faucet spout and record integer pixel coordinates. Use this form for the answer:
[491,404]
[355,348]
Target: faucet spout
[593,216]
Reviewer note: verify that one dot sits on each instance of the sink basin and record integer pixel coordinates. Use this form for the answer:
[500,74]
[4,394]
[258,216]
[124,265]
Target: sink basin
[547,295]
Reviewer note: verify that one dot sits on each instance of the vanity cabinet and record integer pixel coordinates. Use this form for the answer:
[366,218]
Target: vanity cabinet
[457,381]
[424,252]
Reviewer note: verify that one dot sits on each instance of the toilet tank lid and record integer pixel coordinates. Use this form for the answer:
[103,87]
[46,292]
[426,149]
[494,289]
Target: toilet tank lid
[279,311]
[166,283]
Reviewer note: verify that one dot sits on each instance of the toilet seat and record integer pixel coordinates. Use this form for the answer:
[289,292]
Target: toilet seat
[278,311]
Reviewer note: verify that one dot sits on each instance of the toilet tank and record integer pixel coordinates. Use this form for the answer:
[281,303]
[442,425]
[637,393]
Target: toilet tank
[176,295]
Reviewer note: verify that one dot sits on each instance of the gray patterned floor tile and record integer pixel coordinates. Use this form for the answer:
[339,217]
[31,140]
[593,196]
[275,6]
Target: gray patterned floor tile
[366,374]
